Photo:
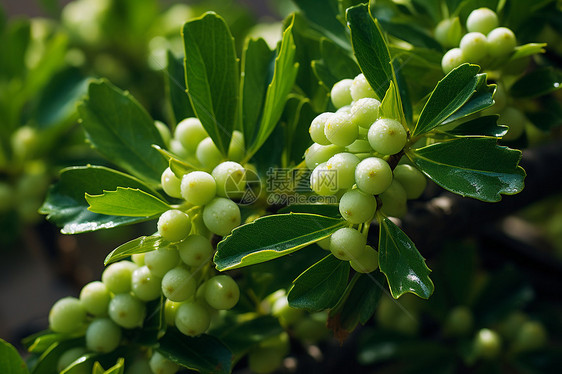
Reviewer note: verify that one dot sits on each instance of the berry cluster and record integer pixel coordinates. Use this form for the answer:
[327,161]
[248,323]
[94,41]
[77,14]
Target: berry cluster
[349,159]
[483,43]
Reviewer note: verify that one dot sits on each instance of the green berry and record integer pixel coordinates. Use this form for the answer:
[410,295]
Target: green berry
[340,130]
[281,309]
[170,310]
[487,344]
[459,322]
[117,276]
[103,335]
[138,259]
[230,177]
[364,112]
[411,179]
[373,175]
[347,244]
[317,154]
[69,357]
[474,46]
[67,315]
[482,20]
[189,132]
[222,292]
[161,365]
[344,165]
[171,183]
[195,250]
[324,243]
[323,181]
[366,262]
[174,225]
[531,336]
[448,32]
[394,200]
[361,89]
[161,260]
[145,285]
[501,42]
[387,136]
[237,147]
[269,354]
[192,318]
[452,59]
[208,154]
[25,142]
[359,146]
[221,216]
[341,94]
[95,298]
[316,129]
[198,187]
[178,284]
[127,310]
[357,207]
[516,121]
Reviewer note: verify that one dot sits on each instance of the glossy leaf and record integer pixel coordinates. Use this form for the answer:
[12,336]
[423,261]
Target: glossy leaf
[391,106]
[139,245]
[336,64]
[401,263]
[127,202]
[121,130]
[481,126]
[483,98]
[527,50]
[211,74]
[537,83]
[10,360]
[320,286]
[176,90]
[320,209]
[370,49]
[449,95]
[410,33]
[284,75]
[179,167]
[66,205]
[203,353]
[271,237]
[474,167]
[240,336]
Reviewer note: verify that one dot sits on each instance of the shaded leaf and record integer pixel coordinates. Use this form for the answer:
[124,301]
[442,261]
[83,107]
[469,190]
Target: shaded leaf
[139,245]
[411,34]
[10,360]
[336,64]
[537,83]
[481,126]
[483,98]
[176,90]
[127,202]
[240,336]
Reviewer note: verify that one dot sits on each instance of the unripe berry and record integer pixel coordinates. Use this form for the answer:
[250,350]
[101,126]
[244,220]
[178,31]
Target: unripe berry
[170,310]
[222,292]
[394,200]
[127,310]
[323,181]
[195,250]
[367,262]
[160,261]
[198,187]
[459,322]
[208,154]
[516,121]
[237,147]
[387,136]
[364,112]
[117,276]
[360,88]
[95,298]
[359,146]
[103,335]
[171,183]
[448,32]
[24,142]
[344,166]
[501,42]
[347,244]
[357,207]
[67,315]
[482,20]
[230,178]
[69,357]
[161,365]
[452,59]
[138,259]
[487,344]
[221,216]
[474,46]
[145,285]
[174,225]
[373,175]
[178,284]
[317,154]
[411,179]
[189,132]
[192,318]
[531,336]
[340,130]
[341,94]
[316,129]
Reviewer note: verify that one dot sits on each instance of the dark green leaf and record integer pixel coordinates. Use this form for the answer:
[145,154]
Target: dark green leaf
[370,49]
[474,167]
[548,115]
[49,359]
[481,99]
[449,95]
[257,70]
[537,83]
[403,89]
[527,50]
[211,73]
[176,91]
[15,39]
[122,131]
[10,360]
[239,337]
[284,75]
[336,64]
[410,33]
[204,353]
[66,205]
[481,126]
[118,368]
[400,261]
[127,202]
[297,116]
[320,286]
[271,237]
[320,209]
[139,245]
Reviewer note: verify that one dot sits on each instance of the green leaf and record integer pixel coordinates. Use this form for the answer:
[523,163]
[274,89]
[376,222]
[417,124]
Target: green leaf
[481,126]
[271,237]
[548,114]
[401,263]
[527,50]
[204,353]
[257,61]
[320,286]
[537,83]
[474,167]
[284,75]
[127,202]
[39,342]
[176,91]
[449,95]
[483,98]
[49,359]
[319,209]
[179,167]
[66,205]
[139,245]
[410,33]
[370,49]
[391,107]
[10,360]
[211,74]
[297,116]
[240,336]
[118,368]
[122,131]
[336,64]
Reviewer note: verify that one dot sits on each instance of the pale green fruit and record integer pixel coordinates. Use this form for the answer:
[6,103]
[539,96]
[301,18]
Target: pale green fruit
[341,94]
[360,88]
[367,262]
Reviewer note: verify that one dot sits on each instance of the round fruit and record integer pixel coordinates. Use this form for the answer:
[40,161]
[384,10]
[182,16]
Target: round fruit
[459,322]
[347,244]
[170,310]
[221,216]
[222,292]
[138,259]
[67,315]
[360,88]
[323,181]
[69,357]
[501,42]
[373,175]
[516,121]
[366,262]
[161,260]
[192,319]
[340,130]
[357,207]
[316,129]
[341,94]
[174,225]
[394,200]
[487,344]
[411,179]
[189,132]
[364,112]
[161,365]
[387,136]
[117,276]
[317,154]
[237,147]
[208,154]
[178,284]
[482,20]
[145,285]
[474,46]
[344,166]
[103,335]
[126,310]
[95,298]
[448,32]
[230,177]
[531,336]
[198,187]
[359,146]
[195,250]
[452,59]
